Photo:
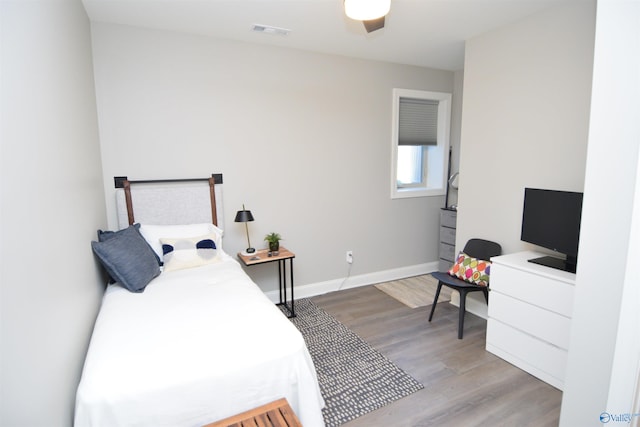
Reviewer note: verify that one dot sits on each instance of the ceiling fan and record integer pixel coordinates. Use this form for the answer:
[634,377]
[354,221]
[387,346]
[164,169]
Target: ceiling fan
[370,12]
[373,24]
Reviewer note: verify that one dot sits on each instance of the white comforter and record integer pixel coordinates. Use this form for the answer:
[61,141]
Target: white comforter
[196,346]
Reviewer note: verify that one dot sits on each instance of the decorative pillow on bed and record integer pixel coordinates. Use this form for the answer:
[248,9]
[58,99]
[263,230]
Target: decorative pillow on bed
[471,270]
[127,258]
[153,233]
[107,234]
[188,252]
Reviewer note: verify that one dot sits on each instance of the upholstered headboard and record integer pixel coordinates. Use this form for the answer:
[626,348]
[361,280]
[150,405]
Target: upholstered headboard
[174,201]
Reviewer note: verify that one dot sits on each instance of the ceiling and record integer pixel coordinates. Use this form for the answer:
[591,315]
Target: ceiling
[427,33]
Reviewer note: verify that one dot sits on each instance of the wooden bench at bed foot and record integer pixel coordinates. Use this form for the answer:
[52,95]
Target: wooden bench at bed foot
[274,414]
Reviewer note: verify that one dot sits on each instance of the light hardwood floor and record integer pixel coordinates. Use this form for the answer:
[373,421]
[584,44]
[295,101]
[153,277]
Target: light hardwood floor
[464,385]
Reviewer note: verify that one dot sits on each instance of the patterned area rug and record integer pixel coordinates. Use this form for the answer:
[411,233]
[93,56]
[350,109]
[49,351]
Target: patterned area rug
[415,291]
[354,377]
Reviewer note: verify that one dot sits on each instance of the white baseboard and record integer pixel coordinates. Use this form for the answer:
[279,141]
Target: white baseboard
[474,305]
[313,289]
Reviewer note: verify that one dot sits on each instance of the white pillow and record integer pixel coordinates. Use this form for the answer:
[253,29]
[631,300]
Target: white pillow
[153,233]
[189,252]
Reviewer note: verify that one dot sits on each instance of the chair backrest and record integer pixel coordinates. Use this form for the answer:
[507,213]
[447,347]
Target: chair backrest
[482,249]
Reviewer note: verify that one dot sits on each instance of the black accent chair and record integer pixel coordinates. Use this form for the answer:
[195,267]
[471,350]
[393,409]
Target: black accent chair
[476,248]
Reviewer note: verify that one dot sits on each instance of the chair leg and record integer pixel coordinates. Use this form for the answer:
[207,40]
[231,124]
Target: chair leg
[463,300]
[435,300]
[486,295]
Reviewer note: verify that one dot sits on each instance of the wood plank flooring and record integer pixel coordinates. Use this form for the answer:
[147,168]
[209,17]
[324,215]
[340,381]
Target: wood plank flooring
[464,384]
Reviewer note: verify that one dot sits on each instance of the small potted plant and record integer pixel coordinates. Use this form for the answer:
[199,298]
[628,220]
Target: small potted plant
[274,241]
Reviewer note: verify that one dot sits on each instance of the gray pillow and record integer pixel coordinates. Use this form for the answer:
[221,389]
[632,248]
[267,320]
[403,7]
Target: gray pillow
[128,258]
[106,235]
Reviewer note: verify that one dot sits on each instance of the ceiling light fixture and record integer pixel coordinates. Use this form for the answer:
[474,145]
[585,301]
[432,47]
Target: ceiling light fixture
[366,10]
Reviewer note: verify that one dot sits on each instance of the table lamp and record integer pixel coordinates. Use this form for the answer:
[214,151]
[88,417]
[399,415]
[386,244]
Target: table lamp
[245,216]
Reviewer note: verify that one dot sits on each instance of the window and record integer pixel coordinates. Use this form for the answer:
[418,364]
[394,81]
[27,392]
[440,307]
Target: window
[420,143]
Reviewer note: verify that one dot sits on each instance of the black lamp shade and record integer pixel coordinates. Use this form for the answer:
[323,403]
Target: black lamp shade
[244,216]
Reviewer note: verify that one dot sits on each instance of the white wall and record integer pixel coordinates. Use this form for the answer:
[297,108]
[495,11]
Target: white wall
[52,204]
[604,355]
[525,119]
[303,140]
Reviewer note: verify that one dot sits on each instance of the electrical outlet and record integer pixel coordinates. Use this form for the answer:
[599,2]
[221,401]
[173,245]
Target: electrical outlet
[350,257]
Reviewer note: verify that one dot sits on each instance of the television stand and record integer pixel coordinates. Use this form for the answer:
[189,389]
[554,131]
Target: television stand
[557,263]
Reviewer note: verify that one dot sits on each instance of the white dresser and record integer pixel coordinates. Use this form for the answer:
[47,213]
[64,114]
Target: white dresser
[530,308]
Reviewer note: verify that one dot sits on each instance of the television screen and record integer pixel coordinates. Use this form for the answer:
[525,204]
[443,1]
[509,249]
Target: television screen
[551,219]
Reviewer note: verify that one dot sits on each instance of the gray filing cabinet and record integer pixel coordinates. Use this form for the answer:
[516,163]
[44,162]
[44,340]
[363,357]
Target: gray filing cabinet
[447,250]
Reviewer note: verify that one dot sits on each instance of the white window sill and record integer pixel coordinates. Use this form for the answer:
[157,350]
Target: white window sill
[403,193]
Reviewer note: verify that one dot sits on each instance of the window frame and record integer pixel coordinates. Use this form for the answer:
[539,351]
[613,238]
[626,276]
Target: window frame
[435,157]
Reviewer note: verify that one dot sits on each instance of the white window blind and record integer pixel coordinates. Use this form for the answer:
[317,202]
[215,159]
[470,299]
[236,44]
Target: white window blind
[418,122]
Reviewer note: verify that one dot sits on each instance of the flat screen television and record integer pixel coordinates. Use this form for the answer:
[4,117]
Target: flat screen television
[551,219]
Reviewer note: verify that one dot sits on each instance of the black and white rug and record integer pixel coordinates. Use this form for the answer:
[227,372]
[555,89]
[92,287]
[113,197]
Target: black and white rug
[354,377]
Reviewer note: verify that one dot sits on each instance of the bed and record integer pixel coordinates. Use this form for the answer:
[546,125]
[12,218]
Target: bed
[196,345]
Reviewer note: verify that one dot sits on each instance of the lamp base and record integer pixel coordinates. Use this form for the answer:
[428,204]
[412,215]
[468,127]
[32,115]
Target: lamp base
[250,250]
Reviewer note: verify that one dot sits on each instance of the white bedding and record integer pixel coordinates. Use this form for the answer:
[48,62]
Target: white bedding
[196,346]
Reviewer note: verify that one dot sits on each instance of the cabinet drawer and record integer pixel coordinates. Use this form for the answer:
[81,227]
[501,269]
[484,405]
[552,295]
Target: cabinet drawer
[448,218]
[528,353]
[448,235]
[538,290]
[444,265]
[447,252]
[544,324]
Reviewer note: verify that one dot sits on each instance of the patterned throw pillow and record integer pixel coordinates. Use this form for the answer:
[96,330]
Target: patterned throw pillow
[471,270]
[153,233]
[188,252]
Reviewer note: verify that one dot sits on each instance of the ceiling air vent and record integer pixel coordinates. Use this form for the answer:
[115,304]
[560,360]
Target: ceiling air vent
[268,29]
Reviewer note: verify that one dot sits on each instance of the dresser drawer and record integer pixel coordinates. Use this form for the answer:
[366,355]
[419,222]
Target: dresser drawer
[444,265]
[448,235]
[448,218]
[546,325]
[552,295]
[539,358]
[447,252]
